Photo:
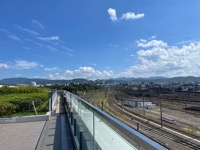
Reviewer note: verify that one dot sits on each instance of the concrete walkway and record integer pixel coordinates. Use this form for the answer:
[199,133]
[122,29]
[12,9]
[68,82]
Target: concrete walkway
[20,136]
[57,134]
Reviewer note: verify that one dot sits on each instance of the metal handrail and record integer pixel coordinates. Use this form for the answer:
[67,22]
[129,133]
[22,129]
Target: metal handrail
[139,138]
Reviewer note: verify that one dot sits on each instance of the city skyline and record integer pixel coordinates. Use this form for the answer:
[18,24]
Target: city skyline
[99,39]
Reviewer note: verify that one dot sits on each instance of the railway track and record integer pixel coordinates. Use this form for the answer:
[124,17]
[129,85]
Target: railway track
[172,141]
[152,129]
[171,137]
[160,135]
[166,124]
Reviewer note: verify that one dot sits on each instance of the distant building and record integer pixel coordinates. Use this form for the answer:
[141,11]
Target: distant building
[138,103]
[33,83]
[11,86]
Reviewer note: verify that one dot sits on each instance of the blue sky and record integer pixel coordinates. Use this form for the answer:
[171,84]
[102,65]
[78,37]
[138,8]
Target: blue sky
[99,39]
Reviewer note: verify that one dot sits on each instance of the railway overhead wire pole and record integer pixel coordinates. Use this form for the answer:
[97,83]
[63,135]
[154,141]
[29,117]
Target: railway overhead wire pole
[161,121]
[143,104]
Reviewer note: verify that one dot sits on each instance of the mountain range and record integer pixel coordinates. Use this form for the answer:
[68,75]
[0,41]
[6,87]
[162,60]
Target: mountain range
[14,81]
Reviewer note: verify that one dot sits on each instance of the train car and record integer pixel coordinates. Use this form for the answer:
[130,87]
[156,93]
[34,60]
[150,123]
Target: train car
[168,119]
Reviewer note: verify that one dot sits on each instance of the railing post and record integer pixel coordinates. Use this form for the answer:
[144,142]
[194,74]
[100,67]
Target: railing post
[93,129]
[138,126]
[69,114]
[74,127]
[70,101]
[51,100]
[80,142]
[71,118]
[78,107]
[67,104]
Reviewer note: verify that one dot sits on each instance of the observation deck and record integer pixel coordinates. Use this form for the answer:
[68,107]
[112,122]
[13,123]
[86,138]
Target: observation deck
[74,124]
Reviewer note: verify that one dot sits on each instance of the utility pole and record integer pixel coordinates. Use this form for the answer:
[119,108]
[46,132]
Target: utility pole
[102,106]
[143,105]
[161,123]
[185,106]
[122,107]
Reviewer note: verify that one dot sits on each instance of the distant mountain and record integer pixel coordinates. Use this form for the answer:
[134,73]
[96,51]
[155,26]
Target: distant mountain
[155,79]
[185,79]
[14,81]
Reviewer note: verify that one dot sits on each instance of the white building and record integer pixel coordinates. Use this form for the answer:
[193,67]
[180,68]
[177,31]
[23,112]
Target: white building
[33,83]
[138,103]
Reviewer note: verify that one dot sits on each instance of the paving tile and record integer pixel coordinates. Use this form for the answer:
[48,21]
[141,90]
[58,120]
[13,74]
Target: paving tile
[20,136]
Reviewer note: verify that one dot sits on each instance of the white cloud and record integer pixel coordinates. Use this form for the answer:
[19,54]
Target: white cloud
[184,42]
[51,69]
[66,48]
[39,24]
[15,38]
[154,52]
[131,15]
[24,64]
[11,35]
[5,31]
[152,37]
[112,14]
[153,43]
[45,46]
[51,38]
[83,72]
[57,76]
[3,66]
[27,30]
[88,72]
[65,53]
[125,16]
[113,45]
[50,48]
[160,59]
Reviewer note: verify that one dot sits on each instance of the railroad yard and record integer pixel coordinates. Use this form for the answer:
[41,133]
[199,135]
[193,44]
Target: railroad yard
[180,123]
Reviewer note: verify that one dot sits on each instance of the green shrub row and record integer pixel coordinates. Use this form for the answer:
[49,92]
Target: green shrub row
[21,100]
[19,90]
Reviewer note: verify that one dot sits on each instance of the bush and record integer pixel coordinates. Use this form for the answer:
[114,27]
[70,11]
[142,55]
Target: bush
[7,108]
[16,100]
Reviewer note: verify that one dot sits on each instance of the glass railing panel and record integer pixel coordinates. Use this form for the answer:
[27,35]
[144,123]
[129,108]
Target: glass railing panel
[101,131]
[108,138]
[86,115]
[74,104]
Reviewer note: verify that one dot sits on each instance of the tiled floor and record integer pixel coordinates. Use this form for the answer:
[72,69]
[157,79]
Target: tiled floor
[20,136]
